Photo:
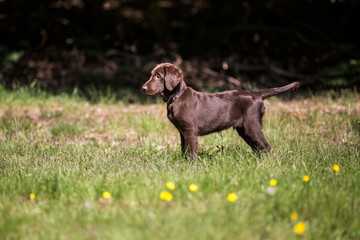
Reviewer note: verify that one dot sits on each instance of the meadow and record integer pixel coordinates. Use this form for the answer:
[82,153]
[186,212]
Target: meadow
[73,169]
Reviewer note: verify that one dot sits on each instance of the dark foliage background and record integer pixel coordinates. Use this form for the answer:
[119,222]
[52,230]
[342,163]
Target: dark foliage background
[86,44]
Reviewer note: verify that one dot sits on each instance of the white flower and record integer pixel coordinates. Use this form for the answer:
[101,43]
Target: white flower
[270,190]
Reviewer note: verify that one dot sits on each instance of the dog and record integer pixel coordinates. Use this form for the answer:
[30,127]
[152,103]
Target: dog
[197,113]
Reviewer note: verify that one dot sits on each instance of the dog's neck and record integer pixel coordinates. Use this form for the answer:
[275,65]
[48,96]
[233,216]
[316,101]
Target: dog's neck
[171,96]
[174,98]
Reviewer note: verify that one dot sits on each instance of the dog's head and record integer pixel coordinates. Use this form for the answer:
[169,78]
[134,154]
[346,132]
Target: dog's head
[164,78]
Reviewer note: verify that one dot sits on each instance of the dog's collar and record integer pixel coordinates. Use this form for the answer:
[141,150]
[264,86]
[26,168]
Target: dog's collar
[174,98]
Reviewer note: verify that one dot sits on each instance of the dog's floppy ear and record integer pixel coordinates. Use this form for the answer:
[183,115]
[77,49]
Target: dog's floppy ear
[173,77]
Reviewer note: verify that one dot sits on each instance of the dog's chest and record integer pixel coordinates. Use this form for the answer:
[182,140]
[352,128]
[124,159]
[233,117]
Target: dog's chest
[170,113]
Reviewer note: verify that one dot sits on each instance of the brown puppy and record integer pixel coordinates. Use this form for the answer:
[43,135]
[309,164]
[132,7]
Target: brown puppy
[196,113]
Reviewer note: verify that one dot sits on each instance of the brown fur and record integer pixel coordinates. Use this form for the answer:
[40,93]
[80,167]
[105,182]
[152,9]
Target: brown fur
[196,113]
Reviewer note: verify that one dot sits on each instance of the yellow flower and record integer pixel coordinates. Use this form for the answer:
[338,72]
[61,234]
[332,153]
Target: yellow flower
[272,182]
[299,228]
[294,216]
[170,185]
[336,168]
[166,196]
[106,195]
[232,197]
[193,187]
[306,178]
[32,196]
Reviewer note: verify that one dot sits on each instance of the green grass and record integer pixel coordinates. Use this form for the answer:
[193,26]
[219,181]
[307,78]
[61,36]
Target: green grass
[68,152]
[66,129]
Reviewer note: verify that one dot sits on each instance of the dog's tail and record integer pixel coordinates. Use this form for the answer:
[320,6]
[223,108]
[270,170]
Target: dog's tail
[265,93]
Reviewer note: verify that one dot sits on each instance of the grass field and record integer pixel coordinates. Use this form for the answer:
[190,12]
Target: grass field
[66,152]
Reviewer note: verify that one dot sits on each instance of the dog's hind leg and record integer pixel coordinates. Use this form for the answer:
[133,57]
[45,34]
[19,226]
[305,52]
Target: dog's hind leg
[253,135]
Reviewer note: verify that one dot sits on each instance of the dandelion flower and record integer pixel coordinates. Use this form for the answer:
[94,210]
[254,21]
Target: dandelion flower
[273,182]
[87,205]
[336,168]
[193,187]
[170,185]
[232,197]
[106,195]
[306,178]
[299,228]
[32,196]
[166,196]
[294,216]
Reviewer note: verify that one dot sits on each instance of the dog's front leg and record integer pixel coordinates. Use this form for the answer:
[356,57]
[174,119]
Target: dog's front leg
[182,143]
[189,144]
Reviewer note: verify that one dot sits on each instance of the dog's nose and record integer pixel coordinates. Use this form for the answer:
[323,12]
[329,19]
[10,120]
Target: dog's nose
[144,88]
